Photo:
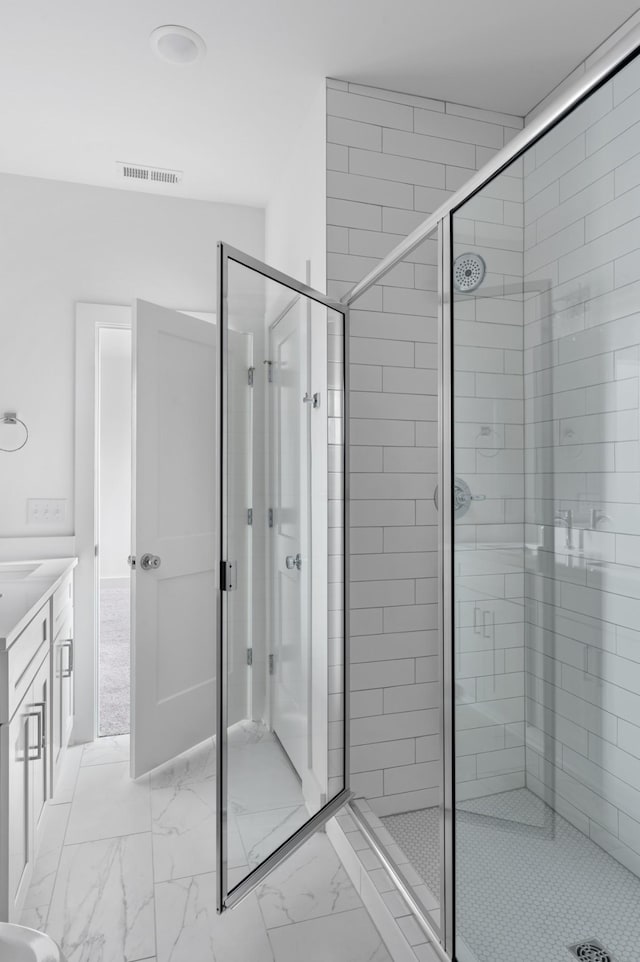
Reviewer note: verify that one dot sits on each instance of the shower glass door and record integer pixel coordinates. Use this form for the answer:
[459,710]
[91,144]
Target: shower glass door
[282,750]
[545,373]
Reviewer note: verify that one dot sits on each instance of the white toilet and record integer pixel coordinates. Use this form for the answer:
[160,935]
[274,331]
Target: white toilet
[20,944]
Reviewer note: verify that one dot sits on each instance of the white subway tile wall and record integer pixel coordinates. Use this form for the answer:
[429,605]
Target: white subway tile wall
[582,437]
[393,158]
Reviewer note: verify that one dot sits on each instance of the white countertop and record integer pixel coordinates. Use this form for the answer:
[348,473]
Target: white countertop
[24,587]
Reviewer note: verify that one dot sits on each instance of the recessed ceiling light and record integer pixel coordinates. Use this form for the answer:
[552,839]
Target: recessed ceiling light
[177,44]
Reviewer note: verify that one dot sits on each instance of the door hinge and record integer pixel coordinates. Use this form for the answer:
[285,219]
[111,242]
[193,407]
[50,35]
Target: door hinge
[249,656]
[269,370]
[96,550]
[271,517]
[227,575]
[249,515]
[271,661]
[131,561]
[250,375]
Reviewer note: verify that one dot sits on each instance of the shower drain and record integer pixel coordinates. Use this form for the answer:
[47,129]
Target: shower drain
[591,951]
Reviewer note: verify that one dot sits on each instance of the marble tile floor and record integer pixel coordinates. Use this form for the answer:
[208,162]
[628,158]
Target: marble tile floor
[126,872]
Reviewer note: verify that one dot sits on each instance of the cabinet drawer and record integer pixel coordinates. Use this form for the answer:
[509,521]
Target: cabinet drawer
[22,658]
[62,600]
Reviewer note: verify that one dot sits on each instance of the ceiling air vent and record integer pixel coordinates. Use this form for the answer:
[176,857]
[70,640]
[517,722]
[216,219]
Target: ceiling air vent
[150,175]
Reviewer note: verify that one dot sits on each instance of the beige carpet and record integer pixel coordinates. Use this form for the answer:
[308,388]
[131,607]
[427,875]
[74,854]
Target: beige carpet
[114,667]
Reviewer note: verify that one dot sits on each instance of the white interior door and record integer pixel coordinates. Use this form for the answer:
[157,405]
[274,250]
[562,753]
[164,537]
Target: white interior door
[173,518]
[290,541]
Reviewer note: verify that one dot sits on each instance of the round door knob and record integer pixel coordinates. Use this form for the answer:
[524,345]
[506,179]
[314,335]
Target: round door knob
[149,561]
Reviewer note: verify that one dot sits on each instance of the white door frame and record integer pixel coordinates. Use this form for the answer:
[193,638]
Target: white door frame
[90,319]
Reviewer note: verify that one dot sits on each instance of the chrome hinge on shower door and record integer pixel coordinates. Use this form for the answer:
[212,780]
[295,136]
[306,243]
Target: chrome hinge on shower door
[250,657]
[228,575]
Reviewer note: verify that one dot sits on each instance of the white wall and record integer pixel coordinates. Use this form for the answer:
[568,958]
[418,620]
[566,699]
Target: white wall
[61,243]
[392,158]
[585,65]
[115,453]
[296,214]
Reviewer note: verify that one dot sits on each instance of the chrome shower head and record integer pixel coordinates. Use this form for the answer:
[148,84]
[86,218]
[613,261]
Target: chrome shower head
[468,272]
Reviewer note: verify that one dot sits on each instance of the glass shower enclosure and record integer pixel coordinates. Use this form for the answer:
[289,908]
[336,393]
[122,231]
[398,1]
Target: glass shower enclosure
[508,804]
[473,676]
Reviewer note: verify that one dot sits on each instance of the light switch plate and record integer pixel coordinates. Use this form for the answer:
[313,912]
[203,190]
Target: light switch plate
[46,510]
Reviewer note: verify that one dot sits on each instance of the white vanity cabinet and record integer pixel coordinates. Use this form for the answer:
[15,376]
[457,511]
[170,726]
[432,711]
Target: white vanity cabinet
[24,752]
[25,747]
[16,809]
[36,715]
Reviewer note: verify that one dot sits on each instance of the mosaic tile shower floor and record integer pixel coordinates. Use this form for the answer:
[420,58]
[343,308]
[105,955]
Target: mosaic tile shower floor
[529,883]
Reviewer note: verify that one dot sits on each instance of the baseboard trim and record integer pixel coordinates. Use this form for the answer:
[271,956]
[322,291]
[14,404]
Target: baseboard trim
[115,582]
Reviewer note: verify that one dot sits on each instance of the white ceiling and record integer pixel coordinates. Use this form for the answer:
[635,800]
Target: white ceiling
[82,88]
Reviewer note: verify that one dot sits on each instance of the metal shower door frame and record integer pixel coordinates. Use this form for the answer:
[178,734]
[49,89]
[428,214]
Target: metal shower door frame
[228,897]
[446,534]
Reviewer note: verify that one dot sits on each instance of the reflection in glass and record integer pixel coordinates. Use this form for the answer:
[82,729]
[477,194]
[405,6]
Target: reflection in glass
[284,520]
[547,646]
